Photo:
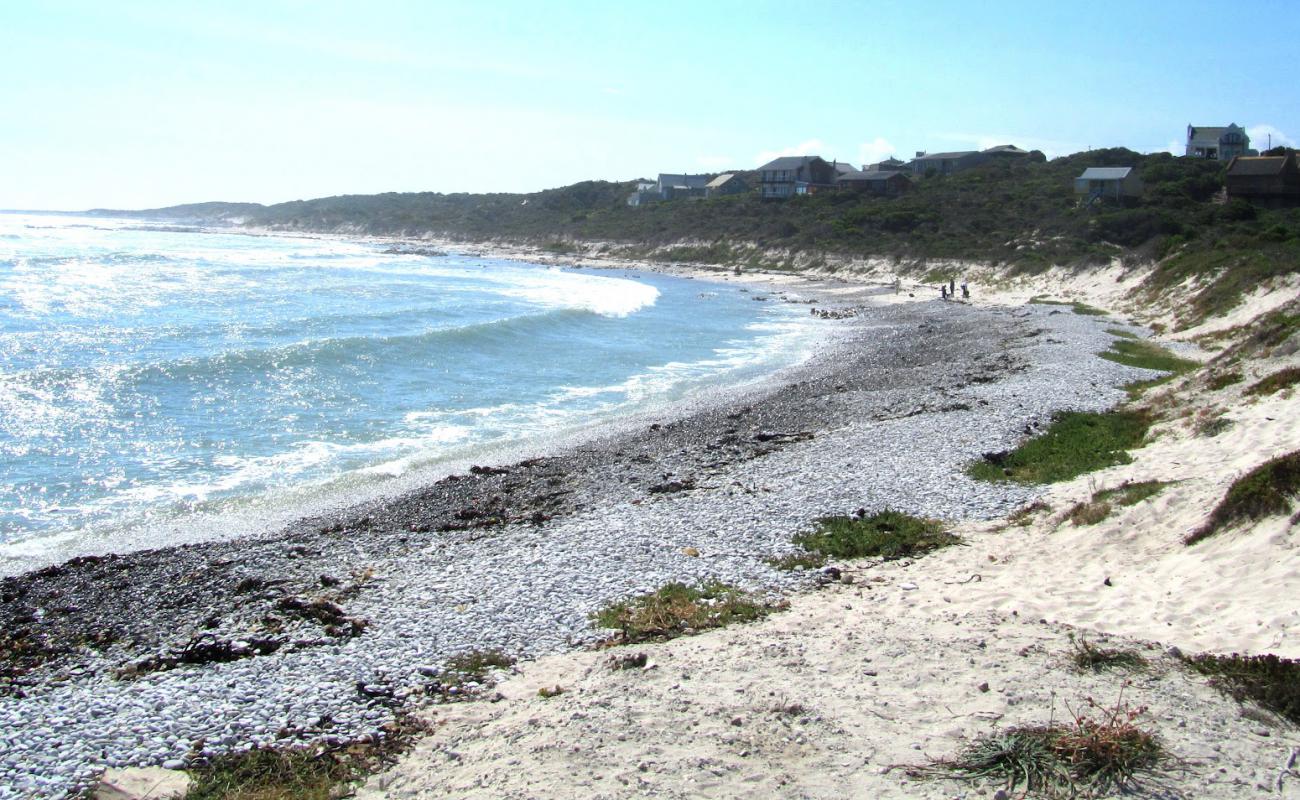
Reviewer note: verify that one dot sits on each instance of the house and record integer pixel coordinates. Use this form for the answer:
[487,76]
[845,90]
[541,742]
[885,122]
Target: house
[669,187]
[926,164]
[793,175]
[1267,180]
[1110,183]
[727,183]
[876,182]
[1218,144]
[948,163]
[890,164]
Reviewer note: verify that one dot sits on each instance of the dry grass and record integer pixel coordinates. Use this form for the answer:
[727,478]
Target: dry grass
[677,610]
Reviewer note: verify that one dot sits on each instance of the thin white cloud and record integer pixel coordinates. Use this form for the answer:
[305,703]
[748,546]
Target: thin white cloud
[812,147]
[877,149]
[1176,147]
[1259,137]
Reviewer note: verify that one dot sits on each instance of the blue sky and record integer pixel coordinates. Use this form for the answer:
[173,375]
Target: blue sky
[142,104]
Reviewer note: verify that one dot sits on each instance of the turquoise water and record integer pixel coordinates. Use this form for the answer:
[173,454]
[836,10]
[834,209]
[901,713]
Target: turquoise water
[151,378]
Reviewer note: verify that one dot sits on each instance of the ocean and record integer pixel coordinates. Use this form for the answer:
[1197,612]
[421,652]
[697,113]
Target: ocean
[162,385]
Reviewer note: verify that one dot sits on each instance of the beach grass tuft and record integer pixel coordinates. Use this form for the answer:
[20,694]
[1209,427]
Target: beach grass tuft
[1272,384]
[886,534]
[676,609]
[317,772]
[1265,491]
[1103,502]
[1223,380]
[1082,758]
[1267,680]
[1074,443]
[1088,657]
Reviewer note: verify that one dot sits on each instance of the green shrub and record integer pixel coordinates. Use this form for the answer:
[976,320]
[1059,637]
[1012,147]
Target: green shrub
[1272,682]
[886,534]
[1074,443]
[1265,491]
[1282,379]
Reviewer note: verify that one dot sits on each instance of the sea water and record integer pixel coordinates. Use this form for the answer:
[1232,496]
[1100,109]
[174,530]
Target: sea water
[159,385]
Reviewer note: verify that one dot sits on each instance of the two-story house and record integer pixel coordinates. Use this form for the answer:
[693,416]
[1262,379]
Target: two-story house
[1218,144]
[670,186]
[794,175]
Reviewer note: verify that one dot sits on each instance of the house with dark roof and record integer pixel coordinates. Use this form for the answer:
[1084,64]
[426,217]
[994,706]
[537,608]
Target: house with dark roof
[1218,144]
[890,164]
[1265,180]
[947,163]
[1108,183]
[669,187]
[882,183]
[794,175]
[724,184]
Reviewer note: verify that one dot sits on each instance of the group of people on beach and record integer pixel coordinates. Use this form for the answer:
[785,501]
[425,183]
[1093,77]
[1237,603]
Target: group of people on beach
[949,292]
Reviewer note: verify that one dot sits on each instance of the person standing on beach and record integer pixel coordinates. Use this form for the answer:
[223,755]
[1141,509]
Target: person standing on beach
[943,292]
[952,287]
[965,291]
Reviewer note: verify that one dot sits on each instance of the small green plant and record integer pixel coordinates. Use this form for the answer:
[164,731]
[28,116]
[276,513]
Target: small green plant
[1263,492]
[1075,306]
[1088,657]
[1223,380]
[795,561]
[1213,426]
[1121,333]
[677,609]
[547,692]
[1084,757]
[1271,682]
[474,666]
[1272,384]
[1146,355]
[886,534]
[1074,443]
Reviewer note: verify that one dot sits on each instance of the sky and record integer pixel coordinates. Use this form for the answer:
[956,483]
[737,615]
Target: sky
[147,104]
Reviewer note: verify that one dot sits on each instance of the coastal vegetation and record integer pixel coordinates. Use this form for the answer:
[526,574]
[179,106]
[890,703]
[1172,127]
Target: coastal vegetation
[1099,506]
[1276,382]
[319,772]
[1088,657]
[676,609]
[886,534]
[1267,680]
[1265,491]
[1085,756]
[1074,443]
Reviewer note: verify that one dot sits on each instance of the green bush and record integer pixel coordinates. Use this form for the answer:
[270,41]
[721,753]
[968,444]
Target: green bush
[1265,491]
[886,534]
[1074,443]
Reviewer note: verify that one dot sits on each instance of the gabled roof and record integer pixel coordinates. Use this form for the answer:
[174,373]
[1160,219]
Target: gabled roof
[946,156]
[1007,149]
[1105,174]
[789,162]
[720,180]
[1261,165]
[842,169]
